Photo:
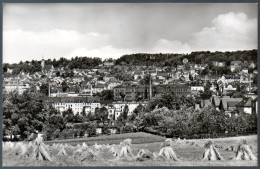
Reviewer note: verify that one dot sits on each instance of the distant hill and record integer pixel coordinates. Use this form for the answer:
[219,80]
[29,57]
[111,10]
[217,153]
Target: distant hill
[138,59]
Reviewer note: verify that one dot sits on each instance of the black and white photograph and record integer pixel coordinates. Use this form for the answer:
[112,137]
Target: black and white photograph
[129,84]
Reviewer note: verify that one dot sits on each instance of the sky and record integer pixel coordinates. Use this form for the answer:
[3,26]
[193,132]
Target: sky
[110,30]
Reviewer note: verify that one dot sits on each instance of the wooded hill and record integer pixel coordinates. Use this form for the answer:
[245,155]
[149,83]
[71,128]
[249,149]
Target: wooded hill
[138,59]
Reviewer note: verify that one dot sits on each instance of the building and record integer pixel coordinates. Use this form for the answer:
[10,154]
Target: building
[255,107]
[77,104]
[16,86]
[245,106]
[229,105]
[235,65]
[119,92]
[197,88]
[215,100]
[108,64]
[120,106]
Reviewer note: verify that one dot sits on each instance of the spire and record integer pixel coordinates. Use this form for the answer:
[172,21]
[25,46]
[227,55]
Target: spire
[42,63]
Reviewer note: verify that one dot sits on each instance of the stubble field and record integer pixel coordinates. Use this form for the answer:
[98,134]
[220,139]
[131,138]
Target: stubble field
[190,152]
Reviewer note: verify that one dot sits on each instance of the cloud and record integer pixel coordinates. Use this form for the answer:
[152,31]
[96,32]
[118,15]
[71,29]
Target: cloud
[27,45]
[227,32]
[103,52]
[230,31]
[168,46]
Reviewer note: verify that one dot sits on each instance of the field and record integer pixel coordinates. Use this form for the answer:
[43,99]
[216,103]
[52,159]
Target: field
[190,152]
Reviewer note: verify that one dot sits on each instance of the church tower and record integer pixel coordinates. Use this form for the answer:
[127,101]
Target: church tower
[42,63]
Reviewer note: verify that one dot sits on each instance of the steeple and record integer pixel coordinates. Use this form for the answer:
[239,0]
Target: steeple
[43,62]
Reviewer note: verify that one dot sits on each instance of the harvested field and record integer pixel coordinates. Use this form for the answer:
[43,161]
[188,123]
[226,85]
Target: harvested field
[190,152]
[137,138]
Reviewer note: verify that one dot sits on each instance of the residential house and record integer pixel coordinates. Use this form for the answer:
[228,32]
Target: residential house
[229,104]
[186,75]
[205,103]
[180,67]
[197,88]
[215,100]
[245,106]
[138,75]
[229,88]
[9,70]
[153,73]
[245,70]
[120,106]
[108,64]
[119,92]
[162,75]
[234,65]
[130,93]
[111,85]
[16,86]
[219,64]
[255,106]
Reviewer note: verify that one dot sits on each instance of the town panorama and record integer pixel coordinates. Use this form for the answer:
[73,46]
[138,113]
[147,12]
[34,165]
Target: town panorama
[198,95]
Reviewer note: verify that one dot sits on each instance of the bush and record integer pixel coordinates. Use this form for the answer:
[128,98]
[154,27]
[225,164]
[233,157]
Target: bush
[206,123]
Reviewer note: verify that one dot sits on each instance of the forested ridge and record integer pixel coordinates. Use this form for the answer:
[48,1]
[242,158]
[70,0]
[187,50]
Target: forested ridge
[138,59]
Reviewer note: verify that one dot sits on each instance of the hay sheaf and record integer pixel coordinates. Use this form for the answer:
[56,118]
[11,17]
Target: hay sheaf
[211,153]
[144,154]
[166,152]
[86,153]
[62,152]
[124,152]
[244,152]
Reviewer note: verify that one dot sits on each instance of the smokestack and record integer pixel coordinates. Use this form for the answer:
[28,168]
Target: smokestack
[90,89]
[49,90]
[249,83]
[150,89]
[17,84]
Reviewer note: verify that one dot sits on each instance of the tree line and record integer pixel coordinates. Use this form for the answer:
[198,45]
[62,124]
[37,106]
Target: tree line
[172,115]
[139,59]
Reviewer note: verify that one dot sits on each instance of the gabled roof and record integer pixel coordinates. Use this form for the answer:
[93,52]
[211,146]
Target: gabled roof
[232,103]
[245,103]
[216,100]
[229,102]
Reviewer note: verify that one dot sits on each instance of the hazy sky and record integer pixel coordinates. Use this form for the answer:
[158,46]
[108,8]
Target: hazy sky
[34,31]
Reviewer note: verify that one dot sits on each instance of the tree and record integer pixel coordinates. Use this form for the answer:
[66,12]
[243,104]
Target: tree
[145,80]
[44,89]
[68,115]
[123,116]
[24,114]
[64,86]
[106,95]
[91,130]
[122,94]
[140,108]
[101,114]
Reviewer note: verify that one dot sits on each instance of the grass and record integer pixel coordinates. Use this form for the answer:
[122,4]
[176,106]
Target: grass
[189,151]
[137,138]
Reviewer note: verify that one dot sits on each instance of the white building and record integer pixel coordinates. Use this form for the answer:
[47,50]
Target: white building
[16,87]
[197,88]
[77,104]
[119,107]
